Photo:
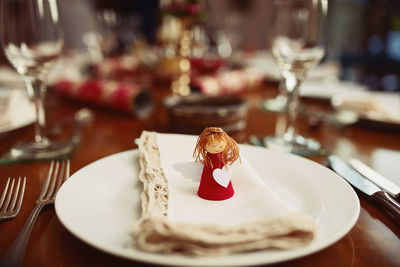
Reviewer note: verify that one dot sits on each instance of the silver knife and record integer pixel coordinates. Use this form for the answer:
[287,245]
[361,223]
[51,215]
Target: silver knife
[375,177]
[388,203]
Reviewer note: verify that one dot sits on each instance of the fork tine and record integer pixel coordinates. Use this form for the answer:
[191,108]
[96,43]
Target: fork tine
[14,200]
[8,196]
[53,181]
[60,177]
[66,173]
[3,196]
[67,170]
[21,196]
[63,175]
[46,186]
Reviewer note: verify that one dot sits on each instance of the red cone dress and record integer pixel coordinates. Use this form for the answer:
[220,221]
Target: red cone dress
[214,183]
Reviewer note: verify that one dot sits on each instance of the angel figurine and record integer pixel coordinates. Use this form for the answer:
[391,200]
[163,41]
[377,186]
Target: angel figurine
[216,150]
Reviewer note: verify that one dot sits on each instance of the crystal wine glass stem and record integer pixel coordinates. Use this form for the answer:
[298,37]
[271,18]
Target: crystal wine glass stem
[282,97]
[292,83]
[36,90]
[282,89]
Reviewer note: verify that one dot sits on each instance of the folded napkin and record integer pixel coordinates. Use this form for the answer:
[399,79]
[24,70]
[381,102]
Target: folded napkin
[264,61]
[328,88]
[386,162]
[175,220]
[116,67]
[379,106]
[228,81]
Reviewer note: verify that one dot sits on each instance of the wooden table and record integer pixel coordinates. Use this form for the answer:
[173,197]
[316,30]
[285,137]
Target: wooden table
[374,241]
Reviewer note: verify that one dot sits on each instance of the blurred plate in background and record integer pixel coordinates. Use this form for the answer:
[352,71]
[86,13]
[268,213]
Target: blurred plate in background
[16,110]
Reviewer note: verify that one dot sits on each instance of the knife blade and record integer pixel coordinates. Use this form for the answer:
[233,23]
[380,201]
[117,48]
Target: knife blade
[387,202]
[375,177]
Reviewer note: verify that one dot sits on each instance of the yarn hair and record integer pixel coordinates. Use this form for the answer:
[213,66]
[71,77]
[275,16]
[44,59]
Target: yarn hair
[229,155]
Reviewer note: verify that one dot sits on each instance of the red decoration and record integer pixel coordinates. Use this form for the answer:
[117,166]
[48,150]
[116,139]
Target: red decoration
[126,97]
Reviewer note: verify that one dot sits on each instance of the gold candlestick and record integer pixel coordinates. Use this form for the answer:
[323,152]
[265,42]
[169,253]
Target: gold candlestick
[181,85]
[177,34]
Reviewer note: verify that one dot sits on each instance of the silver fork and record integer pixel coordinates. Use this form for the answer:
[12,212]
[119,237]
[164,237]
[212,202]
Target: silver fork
[10,210]
[58,173]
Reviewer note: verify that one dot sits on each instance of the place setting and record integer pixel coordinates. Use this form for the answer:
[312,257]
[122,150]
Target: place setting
[127,202]
[174,133]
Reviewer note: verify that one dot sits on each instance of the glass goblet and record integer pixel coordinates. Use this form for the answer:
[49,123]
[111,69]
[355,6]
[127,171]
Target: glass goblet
[32,41]
[298,46]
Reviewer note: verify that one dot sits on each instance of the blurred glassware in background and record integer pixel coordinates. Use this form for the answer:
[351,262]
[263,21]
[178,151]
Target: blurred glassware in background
[224,45]
[200,42]
[228,38]
[298,46]
[120,30]
[119,26]
[205,58]
[93,41]
[224,26]
[32,40]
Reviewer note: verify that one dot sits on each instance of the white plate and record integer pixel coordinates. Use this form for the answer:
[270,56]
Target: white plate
[19,113]
[100,203]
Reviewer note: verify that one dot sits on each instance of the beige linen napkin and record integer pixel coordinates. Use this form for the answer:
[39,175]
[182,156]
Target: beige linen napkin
[380,106]
[175,220]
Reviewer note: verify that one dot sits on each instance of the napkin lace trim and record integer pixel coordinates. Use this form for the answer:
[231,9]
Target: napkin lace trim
[154,232]
[155,189]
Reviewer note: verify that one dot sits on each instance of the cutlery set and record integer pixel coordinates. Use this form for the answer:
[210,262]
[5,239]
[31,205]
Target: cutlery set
[376,177]
[58,173]
[368,181]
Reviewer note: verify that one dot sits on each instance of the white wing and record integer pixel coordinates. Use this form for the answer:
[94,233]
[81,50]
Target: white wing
[190,170]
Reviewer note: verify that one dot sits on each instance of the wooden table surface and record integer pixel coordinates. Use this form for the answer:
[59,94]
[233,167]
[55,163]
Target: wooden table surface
[374,240]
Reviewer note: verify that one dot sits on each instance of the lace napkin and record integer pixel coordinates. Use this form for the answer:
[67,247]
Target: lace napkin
[175,220]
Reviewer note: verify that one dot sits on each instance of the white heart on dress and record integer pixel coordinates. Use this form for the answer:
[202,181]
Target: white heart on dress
[222,176]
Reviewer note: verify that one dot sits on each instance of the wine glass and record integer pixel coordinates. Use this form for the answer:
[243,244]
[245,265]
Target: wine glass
[32,41]
[298,46]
